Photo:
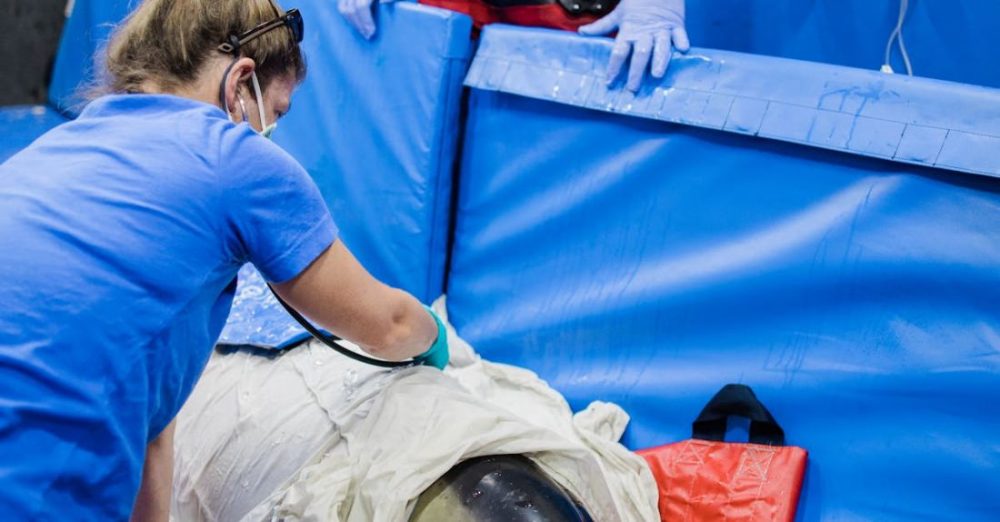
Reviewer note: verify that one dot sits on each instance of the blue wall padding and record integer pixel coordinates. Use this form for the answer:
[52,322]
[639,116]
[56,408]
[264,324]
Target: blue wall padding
[86,31]
[954,41]
[376,125]
[649,263]
[913,120]
[23,124]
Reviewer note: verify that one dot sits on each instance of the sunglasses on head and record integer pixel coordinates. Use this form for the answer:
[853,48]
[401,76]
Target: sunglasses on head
[291,19]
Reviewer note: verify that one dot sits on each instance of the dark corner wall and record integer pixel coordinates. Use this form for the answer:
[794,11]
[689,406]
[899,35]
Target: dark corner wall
[29,36]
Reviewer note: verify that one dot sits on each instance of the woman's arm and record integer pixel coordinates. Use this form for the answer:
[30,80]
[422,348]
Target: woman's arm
[339,294]
[153,502]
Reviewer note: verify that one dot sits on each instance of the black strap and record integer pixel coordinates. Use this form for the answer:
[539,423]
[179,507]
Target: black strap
[737,399]
[331,340]
[573,7]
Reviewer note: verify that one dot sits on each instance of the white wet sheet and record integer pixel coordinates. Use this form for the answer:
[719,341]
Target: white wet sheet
[313,435]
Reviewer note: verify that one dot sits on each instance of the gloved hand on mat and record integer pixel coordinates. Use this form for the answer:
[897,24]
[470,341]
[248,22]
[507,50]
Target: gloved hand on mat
[437,354]
[646,28]
[359,14]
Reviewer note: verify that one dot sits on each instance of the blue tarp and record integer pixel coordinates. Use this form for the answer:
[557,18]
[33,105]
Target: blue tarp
[647,263]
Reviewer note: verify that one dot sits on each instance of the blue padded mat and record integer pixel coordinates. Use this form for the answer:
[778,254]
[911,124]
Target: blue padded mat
[914,120]
[376,125]
[954,41]
[23,124]
[648,263]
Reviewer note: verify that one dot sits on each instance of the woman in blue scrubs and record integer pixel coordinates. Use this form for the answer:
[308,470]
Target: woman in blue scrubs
[121,234]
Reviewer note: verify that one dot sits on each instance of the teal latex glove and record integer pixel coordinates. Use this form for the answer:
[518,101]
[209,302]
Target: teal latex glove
[437,356]
[646,30]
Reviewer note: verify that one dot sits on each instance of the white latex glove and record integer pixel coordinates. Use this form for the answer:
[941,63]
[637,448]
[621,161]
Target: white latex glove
[646,29]
[359,14]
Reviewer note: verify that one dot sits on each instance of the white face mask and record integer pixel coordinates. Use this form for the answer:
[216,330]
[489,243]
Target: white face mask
[268,130]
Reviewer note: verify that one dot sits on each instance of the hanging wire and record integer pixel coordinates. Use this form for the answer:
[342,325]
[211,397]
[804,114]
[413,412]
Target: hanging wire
[897,34]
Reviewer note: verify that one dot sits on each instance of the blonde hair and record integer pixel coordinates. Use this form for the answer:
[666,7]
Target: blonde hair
[166,42]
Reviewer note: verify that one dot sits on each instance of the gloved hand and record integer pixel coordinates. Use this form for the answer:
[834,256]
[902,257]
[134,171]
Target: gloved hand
[437,355]
[359,14]
[646,28]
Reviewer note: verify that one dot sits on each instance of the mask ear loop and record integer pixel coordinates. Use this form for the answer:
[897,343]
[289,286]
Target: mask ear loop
[243,107]
[260,100]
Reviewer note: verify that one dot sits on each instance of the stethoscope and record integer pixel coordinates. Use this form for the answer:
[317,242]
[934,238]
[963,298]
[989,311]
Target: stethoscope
[331,340]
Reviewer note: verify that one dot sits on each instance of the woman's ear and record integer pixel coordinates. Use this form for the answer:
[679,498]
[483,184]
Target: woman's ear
[237,76]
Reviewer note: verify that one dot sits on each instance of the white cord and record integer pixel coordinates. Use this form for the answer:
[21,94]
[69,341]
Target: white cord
[897,34]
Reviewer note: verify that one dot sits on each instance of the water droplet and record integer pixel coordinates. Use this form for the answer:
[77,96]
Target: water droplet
[350,383]
[246,484]
[476,493]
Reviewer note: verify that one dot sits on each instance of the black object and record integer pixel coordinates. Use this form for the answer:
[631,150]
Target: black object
[29,38]
[738,400]
[502,488]
[594,7]
[331,340]
[575,7]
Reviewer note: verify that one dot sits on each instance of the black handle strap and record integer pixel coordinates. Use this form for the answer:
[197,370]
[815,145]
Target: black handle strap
[737,399]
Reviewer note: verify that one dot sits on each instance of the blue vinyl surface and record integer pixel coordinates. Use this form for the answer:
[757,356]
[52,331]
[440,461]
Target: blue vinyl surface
[23,124]
[648,263]
[256,319]
[947,40]
[376,125]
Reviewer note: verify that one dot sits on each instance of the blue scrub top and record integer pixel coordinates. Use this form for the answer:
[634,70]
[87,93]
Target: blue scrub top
[120,237]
